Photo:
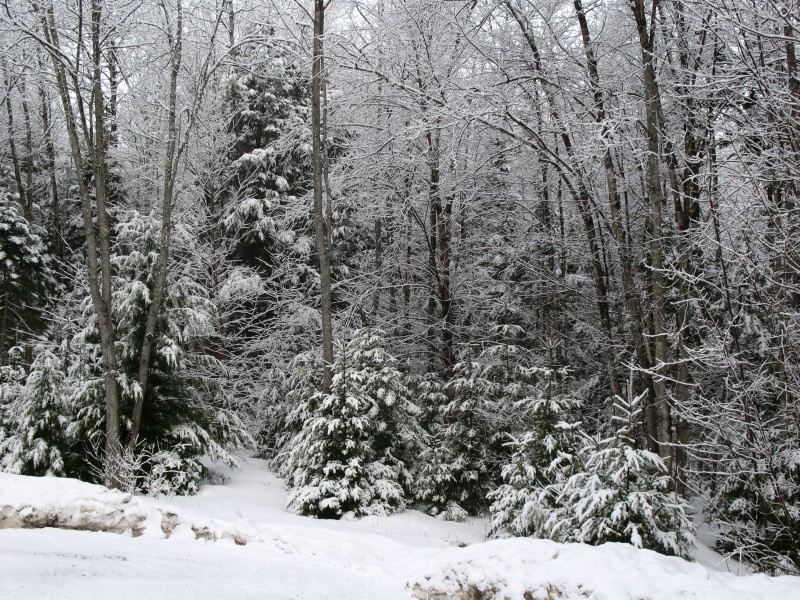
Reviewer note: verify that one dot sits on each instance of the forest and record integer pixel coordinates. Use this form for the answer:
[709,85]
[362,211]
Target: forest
[536,259]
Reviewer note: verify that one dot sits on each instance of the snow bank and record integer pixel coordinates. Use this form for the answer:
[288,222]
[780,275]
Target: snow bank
[531,569]
[36,502]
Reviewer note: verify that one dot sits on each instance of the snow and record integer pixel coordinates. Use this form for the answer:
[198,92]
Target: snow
[237,541]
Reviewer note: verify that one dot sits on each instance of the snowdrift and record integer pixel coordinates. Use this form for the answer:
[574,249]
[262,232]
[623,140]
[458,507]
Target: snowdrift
[36,502]
[528,569]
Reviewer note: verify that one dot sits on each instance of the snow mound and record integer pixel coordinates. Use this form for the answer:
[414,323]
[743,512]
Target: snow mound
[36,502]
[529,569]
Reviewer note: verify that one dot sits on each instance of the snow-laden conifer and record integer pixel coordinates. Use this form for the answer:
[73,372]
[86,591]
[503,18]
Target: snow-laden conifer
[25,275]
[186,414]
[489,401]
[437,475]
[755,506]
[350,455]
[37,443]
[622,493]
[543,459]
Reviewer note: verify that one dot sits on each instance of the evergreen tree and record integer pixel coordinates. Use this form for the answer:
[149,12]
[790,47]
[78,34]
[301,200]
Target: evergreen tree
[25,276]
[288,407]
[38,443]
[755,506]
[351,454]
[469,435]
[269,98]
[623,494]
[544,457]
[435,480]
[186,412]
[12,378]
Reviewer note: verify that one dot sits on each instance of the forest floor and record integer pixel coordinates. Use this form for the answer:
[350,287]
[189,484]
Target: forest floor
[236,541]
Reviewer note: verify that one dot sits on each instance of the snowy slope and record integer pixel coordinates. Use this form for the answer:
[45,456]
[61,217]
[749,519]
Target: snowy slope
[260,551]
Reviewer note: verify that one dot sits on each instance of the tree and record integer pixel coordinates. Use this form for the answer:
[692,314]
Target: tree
[25,276]
[322,231]
[38,444]
[544,457]
[187,412]
[91,116]
[621,493]
[352,452]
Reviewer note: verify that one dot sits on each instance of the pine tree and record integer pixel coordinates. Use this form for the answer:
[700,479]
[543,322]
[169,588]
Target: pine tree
[351,454]
[493,400]
[38,444]
[436,479]
[623,494]
[269,98]
[544,458]
[186,413]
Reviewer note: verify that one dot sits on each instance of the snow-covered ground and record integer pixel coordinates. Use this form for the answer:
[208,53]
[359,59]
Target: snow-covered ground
[237,541]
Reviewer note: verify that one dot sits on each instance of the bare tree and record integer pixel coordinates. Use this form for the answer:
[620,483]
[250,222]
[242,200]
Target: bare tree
[323,233]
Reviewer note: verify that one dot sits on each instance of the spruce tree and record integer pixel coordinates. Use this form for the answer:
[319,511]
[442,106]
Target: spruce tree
[623,493]
[543,459]
[351,453]
[25,276]
[492,401]
[38,415]
[186,413]
[755,505]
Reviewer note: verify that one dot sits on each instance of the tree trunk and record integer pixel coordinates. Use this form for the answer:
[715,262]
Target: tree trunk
[652,103]
[580,192]
[376,295]
[12,146]
[100,290]
[58,236]
[632,301]
[323,247]
[433,215]
[160,281]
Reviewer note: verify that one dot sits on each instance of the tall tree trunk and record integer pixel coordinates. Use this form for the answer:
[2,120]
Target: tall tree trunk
[58,234]
[323,246]
[100,170]
[177,141]
[376,295]
[28,162]
[433,236]
[445,290]
[652,103]
[633,305]
[22,193]
[170,174]
[574,179]
[99,273]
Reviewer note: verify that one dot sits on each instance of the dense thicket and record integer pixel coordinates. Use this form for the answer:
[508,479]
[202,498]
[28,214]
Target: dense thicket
[563,242]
